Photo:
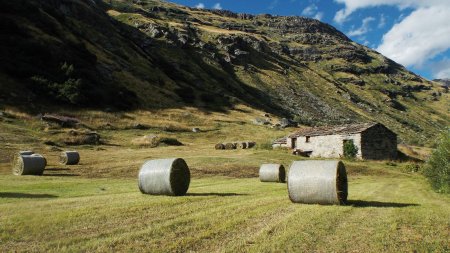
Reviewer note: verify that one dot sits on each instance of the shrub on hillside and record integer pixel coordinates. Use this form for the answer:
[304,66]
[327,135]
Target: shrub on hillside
[437,168]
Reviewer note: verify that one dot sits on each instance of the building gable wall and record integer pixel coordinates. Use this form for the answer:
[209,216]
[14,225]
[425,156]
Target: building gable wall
[379,143]
[327,146]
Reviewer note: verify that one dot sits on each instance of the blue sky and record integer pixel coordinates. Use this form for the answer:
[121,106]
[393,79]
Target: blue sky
[414,33]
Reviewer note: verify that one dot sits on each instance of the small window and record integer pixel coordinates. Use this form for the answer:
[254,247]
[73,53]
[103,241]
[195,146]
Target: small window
[307,139]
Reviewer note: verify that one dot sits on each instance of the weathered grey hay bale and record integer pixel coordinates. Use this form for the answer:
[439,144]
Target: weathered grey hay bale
[318,182]
[219,146]
[242,145]
[229,146]
[69,157]
[272,173]
[164,177]
[251,144]
[29,165]
[27,152]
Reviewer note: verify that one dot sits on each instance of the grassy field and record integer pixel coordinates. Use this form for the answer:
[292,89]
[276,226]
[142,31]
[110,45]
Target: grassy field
[96,206]
[385,213]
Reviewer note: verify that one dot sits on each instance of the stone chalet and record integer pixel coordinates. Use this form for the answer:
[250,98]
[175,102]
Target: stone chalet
[373,140]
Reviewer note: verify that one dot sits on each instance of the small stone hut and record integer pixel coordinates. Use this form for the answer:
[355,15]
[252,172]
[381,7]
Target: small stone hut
[373,140]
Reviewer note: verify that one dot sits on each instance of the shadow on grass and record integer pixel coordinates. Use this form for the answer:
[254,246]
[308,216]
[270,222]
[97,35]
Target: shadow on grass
[25,195]
[362,203]
[215,194]
[56,169]
[60,175]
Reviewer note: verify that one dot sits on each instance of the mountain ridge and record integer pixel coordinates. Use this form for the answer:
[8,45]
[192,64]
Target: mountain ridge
[153,54]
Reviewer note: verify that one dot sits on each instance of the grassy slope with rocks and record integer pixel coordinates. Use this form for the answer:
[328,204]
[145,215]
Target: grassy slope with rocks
[155,55]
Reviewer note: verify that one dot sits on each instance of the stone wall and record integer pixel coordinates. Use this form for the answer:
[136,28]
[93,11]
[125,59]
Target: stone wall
[379,143]
[328,146]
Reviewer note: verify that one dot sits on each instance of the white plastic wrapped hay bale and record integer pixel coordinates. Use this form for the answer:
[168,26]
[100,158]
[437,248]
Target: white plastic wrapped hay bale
[69,157]
[29,165]
[164,177]
[272,173]
[318,182]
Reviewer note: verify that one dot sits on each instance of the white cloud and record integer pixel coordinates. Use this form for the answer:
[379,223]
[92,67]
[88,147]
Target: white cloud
[363,29]
[382,21]
[419,37]
[310,10]
[217,6]
[273,4]
[200,6]
[318,16]
[353,5]
[441,69]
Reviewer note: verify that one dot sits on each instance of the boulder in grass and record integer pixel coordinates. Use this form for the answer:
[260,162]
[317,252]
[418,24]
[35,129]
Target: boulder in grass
[150,141]
[82,138]
[62,121]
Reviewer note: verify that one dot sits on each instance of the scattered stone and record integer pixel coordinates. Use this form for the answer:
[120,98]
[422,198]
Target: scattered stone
[139,126]
[261,121]
[150,141]
[284,122]
[62,121]
[82,138]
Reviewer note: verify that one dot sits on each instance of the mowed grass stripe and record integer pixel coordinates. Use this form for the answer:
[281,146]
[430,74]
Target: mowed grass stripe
[223,214]
[81,209]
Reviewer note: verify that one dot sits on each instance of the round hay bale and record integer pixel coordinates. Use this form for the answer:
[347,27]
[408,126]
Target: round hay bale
[272,173]
[229,146]
[21,153]
[25,152]
[318,182]
[29,165]
[242,145]
[69,157]
[164,177]
[219,146]
[251,144]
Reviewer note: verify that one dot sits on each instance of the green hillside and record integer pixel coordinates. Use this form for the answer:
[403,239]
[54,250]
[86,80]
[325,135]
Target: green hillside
[126,55]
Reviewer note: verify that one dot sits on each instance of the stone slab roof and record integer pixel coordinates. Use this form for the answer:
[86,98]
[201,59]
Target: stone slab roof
[282,140]
[333,130]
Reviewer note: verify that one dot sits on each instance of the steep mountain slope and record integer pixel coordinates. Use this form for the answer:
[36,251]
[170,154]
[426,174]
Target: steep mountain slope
[154,54]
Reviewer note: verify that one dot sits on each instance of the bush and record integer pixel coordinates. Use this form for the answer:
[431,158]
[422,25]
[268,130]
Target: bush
[437,168]
[350,150]
[412,168]
[265,146]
